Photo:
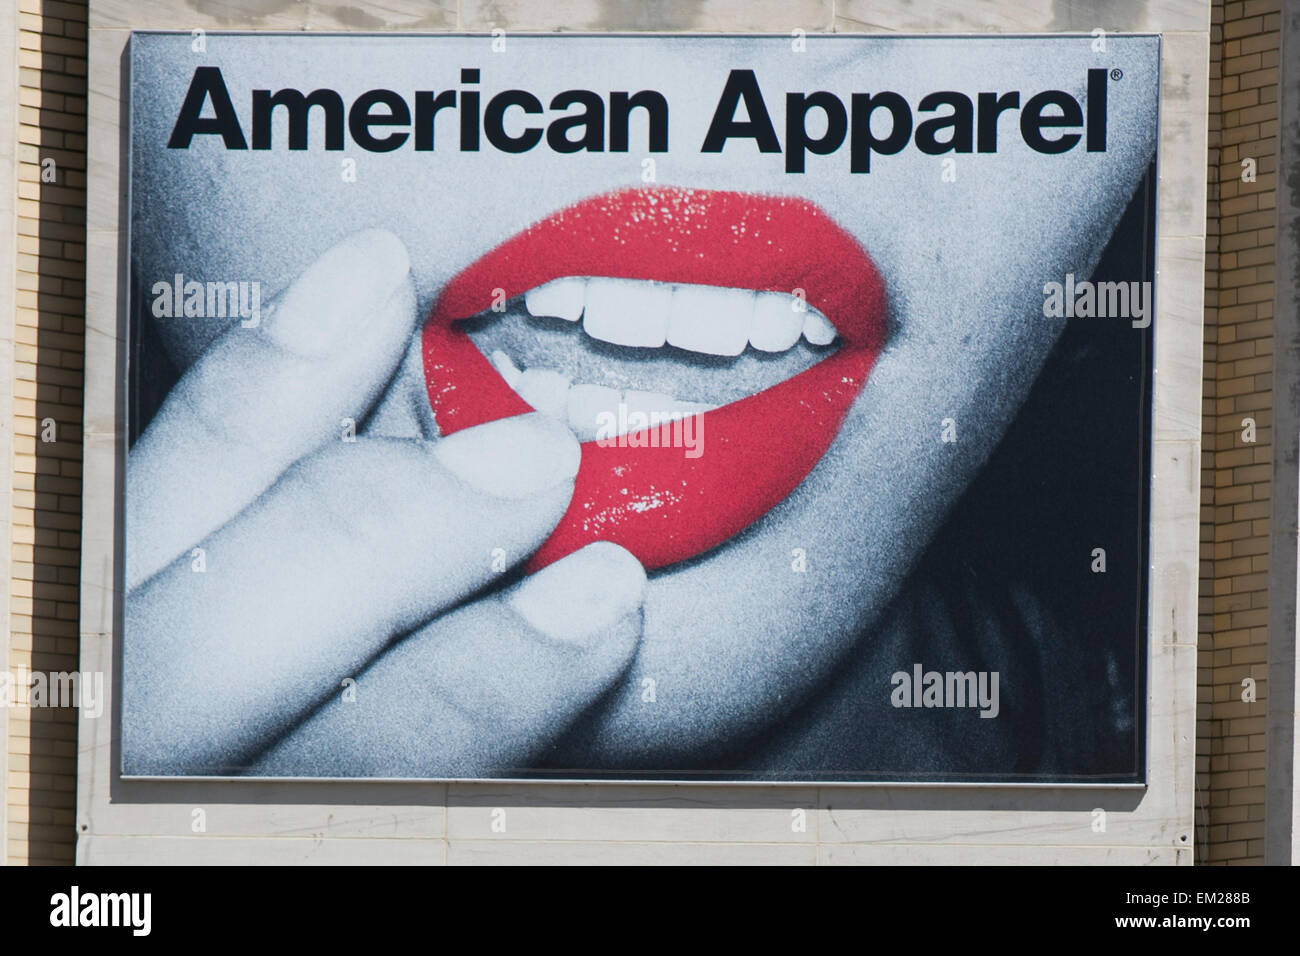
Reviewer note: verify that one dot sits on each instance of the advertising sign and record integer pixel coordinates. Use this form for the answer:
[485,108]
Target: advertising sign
[701,408]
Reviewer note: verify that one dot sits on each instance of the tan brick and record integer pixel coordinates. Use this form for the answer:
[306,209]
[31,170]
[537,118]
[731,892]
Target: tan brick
[1256,44]
[1241,99]
[1235,29]
[1237,65]
[1258,7]
[1259,255]
[1260,78]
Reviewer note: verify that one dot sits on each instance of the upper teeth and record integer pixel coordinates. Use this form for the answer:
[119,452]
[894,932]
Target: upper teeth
[698,318]
[613,312]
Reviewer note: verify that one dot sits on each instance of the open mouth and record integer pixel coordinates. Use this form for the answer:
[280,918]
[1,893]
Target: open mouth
[744,325]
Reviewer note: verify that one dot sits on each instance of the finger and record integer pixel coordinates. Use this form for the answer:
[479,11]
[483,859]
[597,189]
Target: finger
[355,545]
[484,689]
[262,397]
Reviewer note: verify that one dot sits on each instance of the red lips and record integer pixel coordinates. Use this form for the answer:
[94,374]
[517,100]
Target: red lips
[659,504]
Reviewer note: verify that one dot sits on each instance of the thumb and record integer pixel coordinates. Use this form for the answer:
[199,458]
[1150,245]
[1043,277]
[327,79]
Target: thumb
[481,690]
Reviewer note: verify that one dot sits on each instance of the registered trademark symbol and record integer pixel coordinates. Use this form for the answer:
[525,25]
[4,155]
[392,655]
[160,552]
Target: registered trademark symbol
[1117,74]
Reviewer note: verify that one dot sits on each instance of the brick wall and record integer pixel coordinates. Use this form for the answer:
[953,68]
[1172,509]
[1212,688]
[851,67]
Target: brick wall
[47,381]
[1235,473]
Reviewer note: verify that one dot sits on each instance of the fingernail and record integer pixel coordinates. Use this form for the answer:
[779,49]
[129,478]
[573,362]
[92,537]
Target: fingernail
[512,457]
[583,596]
[334,297]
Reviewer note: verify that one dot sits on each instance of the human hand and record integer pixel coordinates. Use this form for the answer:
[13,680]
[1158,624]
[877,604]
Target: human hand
[316,553]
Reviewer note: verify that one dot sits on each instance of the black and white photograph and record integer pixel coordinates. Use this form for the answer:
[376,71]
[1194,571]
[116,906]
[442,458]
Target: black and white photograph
[680,408]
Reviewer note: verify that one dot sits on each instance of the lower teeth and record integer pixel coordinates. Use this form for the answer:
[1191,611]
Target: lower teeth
[586,407]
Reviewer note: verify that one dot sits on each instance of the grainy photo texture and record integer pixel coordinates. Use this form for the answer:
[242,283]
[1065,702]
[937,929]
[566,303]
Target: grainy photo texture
[639,407]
